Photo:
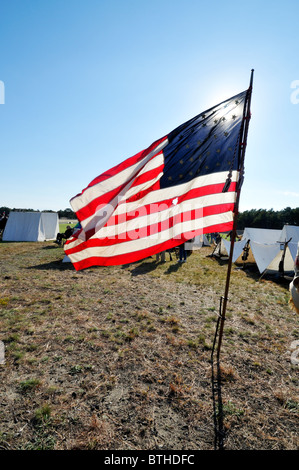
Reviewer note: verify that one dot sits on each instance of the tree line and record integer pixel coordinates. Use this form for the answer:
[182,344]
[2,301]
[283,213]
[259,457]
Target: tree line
[62,214]
[268,218]
[258,218]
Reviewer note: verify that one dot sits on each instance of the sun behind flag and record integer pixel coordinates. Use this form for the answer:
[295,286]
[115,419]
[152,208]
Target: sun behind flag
[183,185]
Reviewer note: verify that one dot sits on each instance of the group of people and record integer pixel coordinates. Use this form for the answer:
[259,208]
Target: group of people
[183,253]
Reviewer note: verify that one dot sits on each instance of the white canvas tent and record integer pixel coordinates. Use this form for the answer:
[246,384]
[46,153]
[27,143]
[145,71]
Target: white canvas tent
[267,247]
[31,226]
[290,232]
[238,248]
[198,242]
[222,248]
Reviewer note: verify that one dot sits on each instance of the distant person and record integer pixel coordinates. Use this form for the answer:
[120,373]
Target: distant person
[183,254]
[161,256]
[213,238]
[67,234]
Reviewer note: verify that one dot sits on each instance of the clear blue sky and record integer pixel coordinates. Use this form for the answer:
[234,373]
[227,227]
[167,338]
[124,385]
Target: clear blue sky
[90,83]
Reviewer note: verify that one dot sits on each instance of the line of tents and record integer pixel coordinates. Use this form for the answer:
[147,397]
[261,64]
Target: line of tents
[273,250]
[269,247]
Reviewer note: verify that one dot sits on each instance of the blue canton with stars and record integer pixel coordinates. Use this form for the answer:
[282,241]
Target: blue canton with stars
[205,144]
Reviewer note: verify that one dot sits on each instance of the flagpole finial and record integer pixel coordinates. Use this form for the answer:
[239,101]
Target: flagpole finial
[251,77]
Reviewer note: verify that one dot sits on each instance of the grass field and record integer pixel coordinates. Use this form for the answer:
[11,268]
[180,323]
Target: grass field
[119,357]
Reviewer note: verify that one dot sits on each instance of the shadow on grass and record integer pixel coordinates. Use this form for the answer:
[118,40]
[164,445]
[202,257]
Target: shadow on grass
[50,247]
[148,266]
[251,270]
[54,265]
[270,276]
[144,268]
[220,435]
[173,268]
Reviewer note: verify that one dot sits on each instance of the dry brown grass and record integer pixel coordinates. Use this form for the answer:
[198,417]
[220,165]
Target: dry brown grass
[119,357]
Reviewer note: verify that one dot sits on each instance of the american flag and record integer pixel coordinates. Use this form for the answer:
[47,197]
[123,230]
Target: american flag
[183,185]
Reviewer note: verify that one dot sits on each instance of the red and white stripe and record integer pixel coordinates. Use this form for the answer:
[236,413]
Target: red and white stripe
[126,216]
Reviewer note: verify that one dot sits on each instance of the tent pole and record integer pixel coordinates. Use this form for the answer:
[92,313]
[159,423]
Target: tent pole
[281,263]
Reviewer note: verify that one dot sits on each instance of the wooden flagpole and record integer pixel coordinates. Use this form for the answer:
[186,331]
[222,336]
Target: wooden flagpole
[218,414]
[241,156]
